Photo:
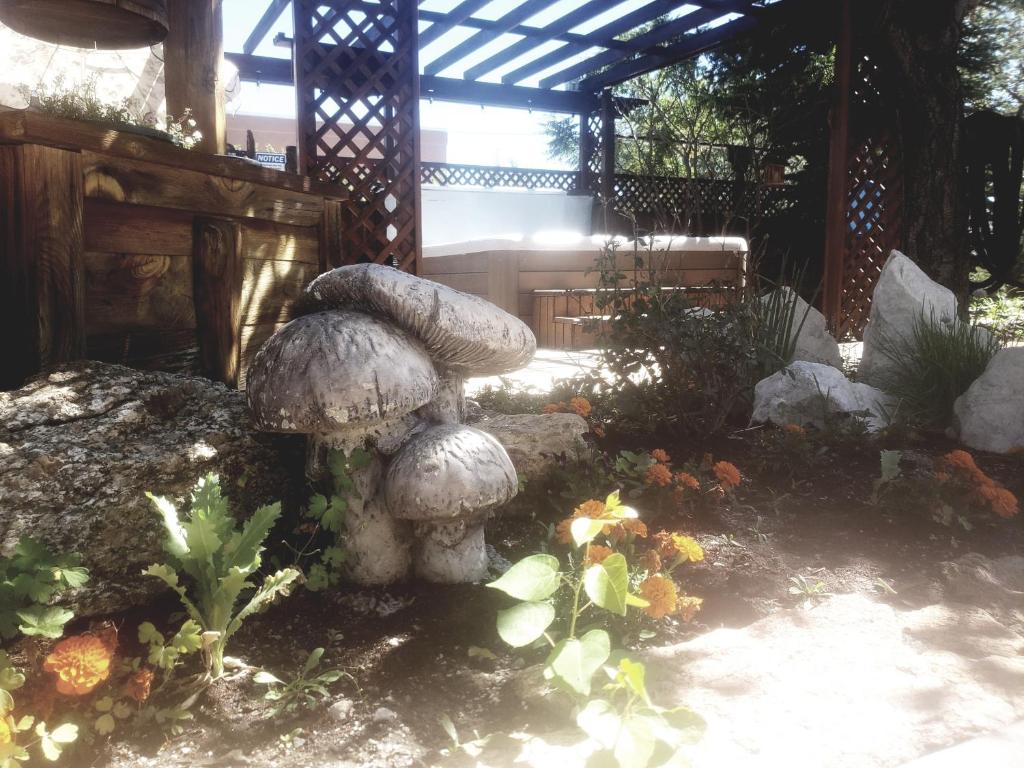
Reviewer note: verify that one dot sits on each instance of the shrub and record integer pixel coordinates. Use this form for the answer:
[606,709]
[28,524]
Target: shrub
[29,580]
[216,559]
[934,366]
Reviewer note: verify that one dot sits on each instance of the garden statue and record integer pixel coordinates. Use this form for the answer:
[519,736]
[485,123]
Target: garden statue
[377,361]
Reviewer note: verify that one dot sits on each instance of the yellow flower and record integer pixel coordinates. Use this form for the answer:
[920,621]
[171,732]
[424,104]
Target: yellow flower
[138,685]
[661,595]
[81,663]
[687,547]
[659,455]
[659,475]
[6,737]
[598,554]
[581,406]
[688,607]
[727,474]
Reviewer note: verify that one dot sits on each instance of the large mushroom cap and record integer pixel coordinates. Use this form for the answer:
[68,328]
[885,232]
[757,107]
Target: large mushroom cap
[446,472]
[327,371]
[460,331]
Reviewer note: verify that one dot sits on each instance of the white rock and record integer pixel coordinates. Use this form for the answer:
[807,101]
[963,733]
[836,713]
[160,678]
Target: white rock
[904,294]
[989,416]
[535,442]
[341,710]
[814,344]
[384,715]
[806,393]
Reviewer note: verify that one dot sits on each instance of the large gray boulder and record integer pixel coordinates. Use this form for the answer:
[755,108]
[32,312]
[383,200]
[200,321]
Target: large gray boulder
[812,394]
[989,416]
[80,447]
[535,441]
[903,296]
[814,344]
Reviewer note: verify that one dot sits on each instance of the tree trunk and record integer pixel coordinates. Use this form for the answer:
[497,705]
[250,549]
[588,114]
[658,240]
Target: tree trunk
[923,38]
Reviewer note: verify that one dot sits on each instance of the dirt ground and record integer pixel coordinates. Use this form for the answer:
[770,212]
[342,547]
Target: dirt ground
[419,653]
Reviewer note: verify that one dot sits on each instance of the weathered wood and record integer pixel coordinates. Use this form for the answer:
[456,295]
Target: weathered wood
[142,183]
[280,242]
[192,56]
[134,292]
[160,350]
[36,128]
[42,294]
[271,288]
[332,246]
[218,275]
[112,227]
[109,24]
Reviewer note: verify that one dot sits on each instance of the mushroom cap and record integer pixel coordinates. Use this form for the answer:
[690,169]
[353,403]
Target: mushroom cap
[460,331]
[329,371]
[449,471]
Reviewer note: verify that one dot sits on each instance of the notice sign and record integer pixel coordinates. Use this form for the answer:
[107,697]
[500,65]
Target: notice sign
[271,160]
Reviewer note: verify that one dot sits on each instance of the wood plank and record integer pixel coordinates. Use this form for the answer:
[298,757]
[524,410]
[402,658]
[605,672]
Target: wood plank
[254,337]
[217,269]
[35,128]
[560,261]
[530,281]
[503,281]
[42,293]
[112,227]
[472,283]
[459,263]
[270,288]
[192,57]
[281,242]
[141,183]
[138,292]
[332,236]
[176,351]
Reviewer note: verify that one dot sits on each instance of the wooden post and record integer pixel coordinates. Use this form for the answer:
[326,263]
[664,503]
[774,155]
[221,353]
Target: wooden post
[586,177]
[607,147]
[42,291]
[332,245]
[192,56]
[217,275]
[838,174]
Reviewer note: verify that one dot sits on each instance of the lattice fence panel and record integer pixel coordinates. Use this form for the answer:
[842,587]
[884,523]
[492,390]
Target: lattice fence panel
[489,177]
[357,82]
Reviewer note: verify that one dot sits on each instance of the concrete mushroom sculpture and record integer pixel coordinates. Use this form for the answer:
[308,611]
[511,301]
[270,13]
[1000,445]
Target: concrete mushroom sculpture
[446,481]
[378,360]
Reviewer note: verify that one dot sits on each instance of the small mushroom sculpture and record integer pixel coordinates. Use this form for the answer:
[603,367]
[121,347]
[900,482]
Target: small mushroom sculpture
[378,360]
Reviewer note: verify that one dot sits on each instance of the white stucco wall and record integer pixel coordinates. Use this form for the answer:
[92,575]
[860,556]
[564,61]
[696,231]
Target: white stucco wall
[457,215]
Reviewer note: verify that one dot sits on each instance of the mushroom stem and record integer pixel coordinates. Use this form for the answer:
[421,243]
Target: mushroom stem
[451,552]
[449,406]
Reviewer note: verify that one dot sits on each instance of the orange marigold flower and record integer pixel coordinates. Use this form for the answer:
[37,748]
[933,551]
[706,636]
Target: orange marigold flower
[554,408]
[662,542]
[138,685]
[650,561]
[960,460]
[598,554]
[688,607]
[563,531]
[593,509]
[1000,500]
[659,455]
[659,475]
[727,474]
[81,663]
[630,525]
[598,430]
[687,547]
[661,594]
[795,429]
[581,406]
[686,480]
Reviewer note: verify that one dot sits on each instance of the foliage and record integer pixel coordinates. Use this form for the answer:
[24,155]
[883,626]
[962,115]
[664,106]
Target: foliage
[953,491]
[29,580]
[217,559]
[679,368]
[304,690]
[1002,314]
[617,714]
[786,452]
[80,101]
[934,365]
[992,56]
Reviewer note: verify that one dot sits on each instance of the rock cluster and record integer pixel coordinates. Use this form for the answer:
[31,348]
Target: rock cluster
[989,416]
[377,362]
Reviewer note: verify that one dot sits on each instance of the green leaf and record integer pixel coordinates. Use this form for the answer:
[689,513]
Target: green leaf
[607,583]
[317,506]
[636,742]
[246,553]
[573,662]
[266,678]
[533,578]
[122,711]
[11,679]
[522,624]
[105,725]
[50,749]
[634,675]
[334,557]
[600,721]
[890,461]
[359,459]
[174,544]
[74,577]
[313,661]
[6,703]
[44,621]
[273,585]
[201,538]
[584,530]
[64,734]
[149,634]
[318,578]
[636,601]
[105,704]
[188,638]
[334,515]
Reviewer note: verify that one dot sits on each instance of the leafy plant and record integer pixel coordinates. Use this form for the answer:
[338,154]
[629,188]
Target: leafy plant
[809,590]
[15,750]
[29,580]
[934,366]
[619,715]
[304,690]
[217,559]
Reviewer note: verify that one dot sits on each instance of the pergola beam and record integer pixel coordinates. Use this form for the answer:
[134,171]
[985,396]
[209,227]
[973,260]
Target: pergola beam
[265,24]
[445,22]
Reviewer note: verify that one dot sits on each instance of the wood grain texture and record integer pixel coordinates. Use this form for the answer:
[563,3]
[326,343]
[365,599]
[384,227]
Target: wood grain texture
[192,55]
[281,242]
[163,350]
[131,181]
[138,292]
[218,274]
[112,227]
[254,337]
[270,289]
[42,294]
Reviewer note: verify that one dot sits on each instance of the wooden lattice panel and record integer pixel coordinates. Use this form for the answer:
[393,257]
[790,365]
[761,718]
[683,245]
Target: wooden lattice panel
[489,177]
[874,216]
[357,83]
